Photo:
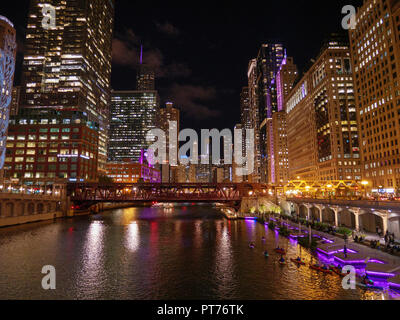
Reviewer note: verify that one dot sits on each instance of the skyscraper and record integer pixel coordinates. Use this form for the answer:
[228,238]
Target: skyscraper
[145,78]
[68,67]
[255,119]
[7,67]
[322,119]
[376,59]
[278,161]
[269,60]
[133,114]
[164,117]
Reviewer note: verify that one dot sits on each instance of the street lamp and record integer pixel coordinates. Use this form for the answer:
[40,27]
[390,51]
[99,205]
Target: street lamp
[365,184]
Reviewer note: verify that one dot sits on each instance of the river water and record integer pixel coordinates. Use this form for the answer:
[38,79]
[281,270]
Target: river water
[189,252]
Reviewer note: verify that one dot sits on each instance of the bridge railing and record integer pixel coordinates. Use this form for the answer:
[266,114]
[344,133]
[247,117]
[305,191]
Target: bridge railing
[370,204]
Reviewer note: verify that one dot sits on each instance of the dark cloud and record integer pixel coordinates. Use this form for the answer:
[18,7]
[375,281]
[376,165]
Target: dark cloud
[168,28]
[126,52]
[191,100]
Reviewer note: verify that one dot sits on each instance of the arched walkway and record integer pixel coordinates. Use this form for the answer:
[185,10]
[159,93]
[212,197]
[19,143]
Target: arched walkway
[31,208]
[328,216]
[40,208]
[347,219]
[394,226]
[21,209]
[9,209]
[314,213]
[369,222]
[303,211]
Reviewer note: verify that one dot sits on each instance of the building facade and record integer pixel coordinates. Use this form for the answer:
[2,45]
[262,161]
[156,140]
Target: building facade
[278,161]
[164,117]
[68,67]
[376,58]
[54,147]
[8,49]
[269,60]
[131,172]
[133,114]
[254,119]
[323,139]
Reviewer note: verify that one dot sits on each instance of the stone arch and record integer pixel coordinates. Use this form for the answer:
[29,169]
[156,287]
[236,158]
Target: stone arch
[314,213]
[40,208]
[31,208]
[9,210]
[21,209]
[328,216]
[303,211]
[346,218]
[369,221]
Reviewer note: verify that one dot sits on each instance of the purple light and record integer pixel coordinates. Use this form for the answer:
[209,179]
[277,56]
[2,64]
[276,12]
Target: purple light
[394,285]
[250,218]
[380,274]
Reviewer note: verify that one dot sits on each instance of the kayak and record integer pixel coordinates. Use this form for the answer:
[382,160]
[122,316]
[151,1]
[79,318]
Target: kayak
[282,263]
[302,263]
[320,269]
[338,271]
[281,251]
[251,247]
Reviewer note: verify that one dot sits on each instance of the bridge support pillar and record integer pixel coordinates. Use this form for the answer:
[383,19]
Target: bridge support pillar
[320,208]
[385,220]
[336,212]
[357,213]
[308,206]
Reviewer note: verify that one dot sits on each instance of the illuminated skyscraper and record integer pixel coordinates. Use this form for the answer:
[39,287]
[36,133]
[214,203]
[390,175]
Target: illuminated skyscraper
[68,67]
[376,59]
[322,125]
[133,114]
[145,78]
[164,117]
[255,119]
[278,162]
[269,60]
[7,68]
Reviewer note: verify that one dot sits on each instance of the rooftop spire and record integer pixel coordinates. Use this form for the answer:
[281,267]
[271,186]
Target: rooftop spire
[141,54]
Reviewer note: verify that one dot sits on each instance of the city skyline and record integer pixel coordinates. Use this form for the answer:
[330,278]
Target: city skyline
[204,94]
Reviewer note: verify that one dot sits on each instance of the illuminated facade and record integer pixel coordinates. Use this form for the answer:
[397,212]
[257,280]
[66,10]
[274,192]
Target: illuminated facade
[130,172]
[15,101]
[53,147]
[7,67]
[254,119]
[376,59]
[322,125]
[133,114]
[269,60]
[278,161]
[164,117]
[68,68]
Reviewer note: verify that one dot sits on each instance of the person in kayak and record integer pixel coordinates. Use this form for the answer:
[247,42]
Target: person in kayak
[266,253]
[325,267]
[282,260]
[298,259]
[367,280]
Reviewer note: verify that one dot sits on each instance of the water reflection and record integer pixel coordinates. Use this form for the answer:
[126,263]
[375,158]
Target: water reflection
[132,238]
[92,273]
[144,253]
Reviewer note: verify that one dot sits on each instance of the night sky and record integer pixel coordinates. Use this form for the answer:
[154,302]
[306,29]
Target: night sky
[201,49]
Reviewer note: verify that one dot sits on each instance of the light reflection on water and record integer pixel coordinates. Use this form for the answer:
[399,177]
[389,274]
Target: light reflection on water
[151,253]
